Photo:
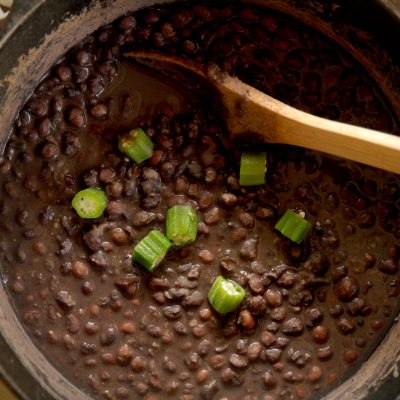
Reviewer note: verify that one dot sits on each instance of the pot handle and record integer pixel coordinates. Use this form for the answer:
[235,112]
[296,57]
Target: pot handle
[20,9]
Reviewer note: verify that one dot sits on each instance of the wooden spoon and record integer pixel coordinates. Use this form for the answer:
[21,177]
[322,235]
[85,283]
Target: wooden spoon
[247,110]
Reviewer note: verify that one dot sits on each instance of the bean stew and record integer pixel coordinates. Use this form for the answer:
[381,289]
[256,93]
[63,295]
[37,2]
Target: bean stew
[312,311]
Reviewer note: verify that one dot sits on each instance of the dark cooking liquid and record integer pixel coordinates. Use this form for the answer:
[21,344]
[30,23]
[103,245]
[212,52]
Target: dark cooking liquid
[312,312]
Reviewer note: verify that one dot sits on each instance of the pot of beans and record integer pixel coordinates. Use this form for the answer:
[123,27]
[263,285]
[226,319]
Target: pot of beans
[146,255]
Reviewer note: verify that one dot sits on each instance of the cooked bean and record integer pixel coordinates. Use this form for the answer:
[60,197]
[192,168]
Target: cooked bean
[346,326]
[320,334]
[217,361]
[80,269]
[143,218]
[388,266]
[238,361]
[247,220]
[99,111]
[212,216]
[248,250]
[293,326]
[324,353]
[65,300]
[271,355]
[76,117]
[173,312]
[247,320]
[228,200]
[350,356]
[347,288]
[254,351]
[273,297]
[206,256]
[239,234]
[270,380]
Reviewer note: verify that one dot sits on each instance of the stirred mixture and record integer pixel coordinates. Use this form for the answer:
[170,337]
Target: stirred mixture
[149,258]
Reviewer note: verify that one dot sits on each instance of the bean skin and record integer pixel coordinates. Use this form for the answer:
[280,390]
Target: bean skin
[76,117]
[320,334]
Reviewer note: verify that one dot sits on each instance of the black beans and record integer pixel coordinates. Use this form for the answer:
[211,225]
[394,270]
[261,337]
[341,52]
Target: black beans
[206,200]
[76,117]
[124,354]
[324,353]
[99,111]
[336,310]
[267,338]
[247,220]
[273,297]
[320,333]
[128,22]
[293,327]
[71,144]
[172,312]
[247,320]
[356,306]
[248,250]
[99,260]
[195,299]
[347,288]
[38,107]
[180,328]
[346,326]
[238,361]
[143,218]
[239,234]
[272,355]
[365,220]
[82,57]
[209,390]
[10,189]
[193,361]
[190,47]
[116,208]
[254,351]
[317,263]
[212,216]
[80,269]
[278,314]
[156,335]
[313,317]
[128,285]
[231,377]
[270,380]
[350,356]
[388,266]
[217,361]
[339,272]
[88,348]
[64,73]
[228,200]
[264,213]
[256,284]
[65,300]
[72,324]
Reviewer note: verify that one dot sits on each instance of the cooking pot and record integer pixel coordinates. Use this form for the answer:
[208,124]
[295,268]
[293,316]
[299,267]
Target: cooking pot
[39,32]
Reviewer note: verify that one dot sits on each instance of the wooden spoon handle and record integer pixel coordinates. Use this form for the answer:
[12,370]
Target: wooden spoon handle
[250,111]
[253,111]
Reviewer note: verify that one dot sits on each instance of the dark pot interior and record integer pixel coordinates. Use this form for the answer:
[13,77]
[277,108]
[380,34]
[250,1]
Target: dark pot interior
[30,48]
